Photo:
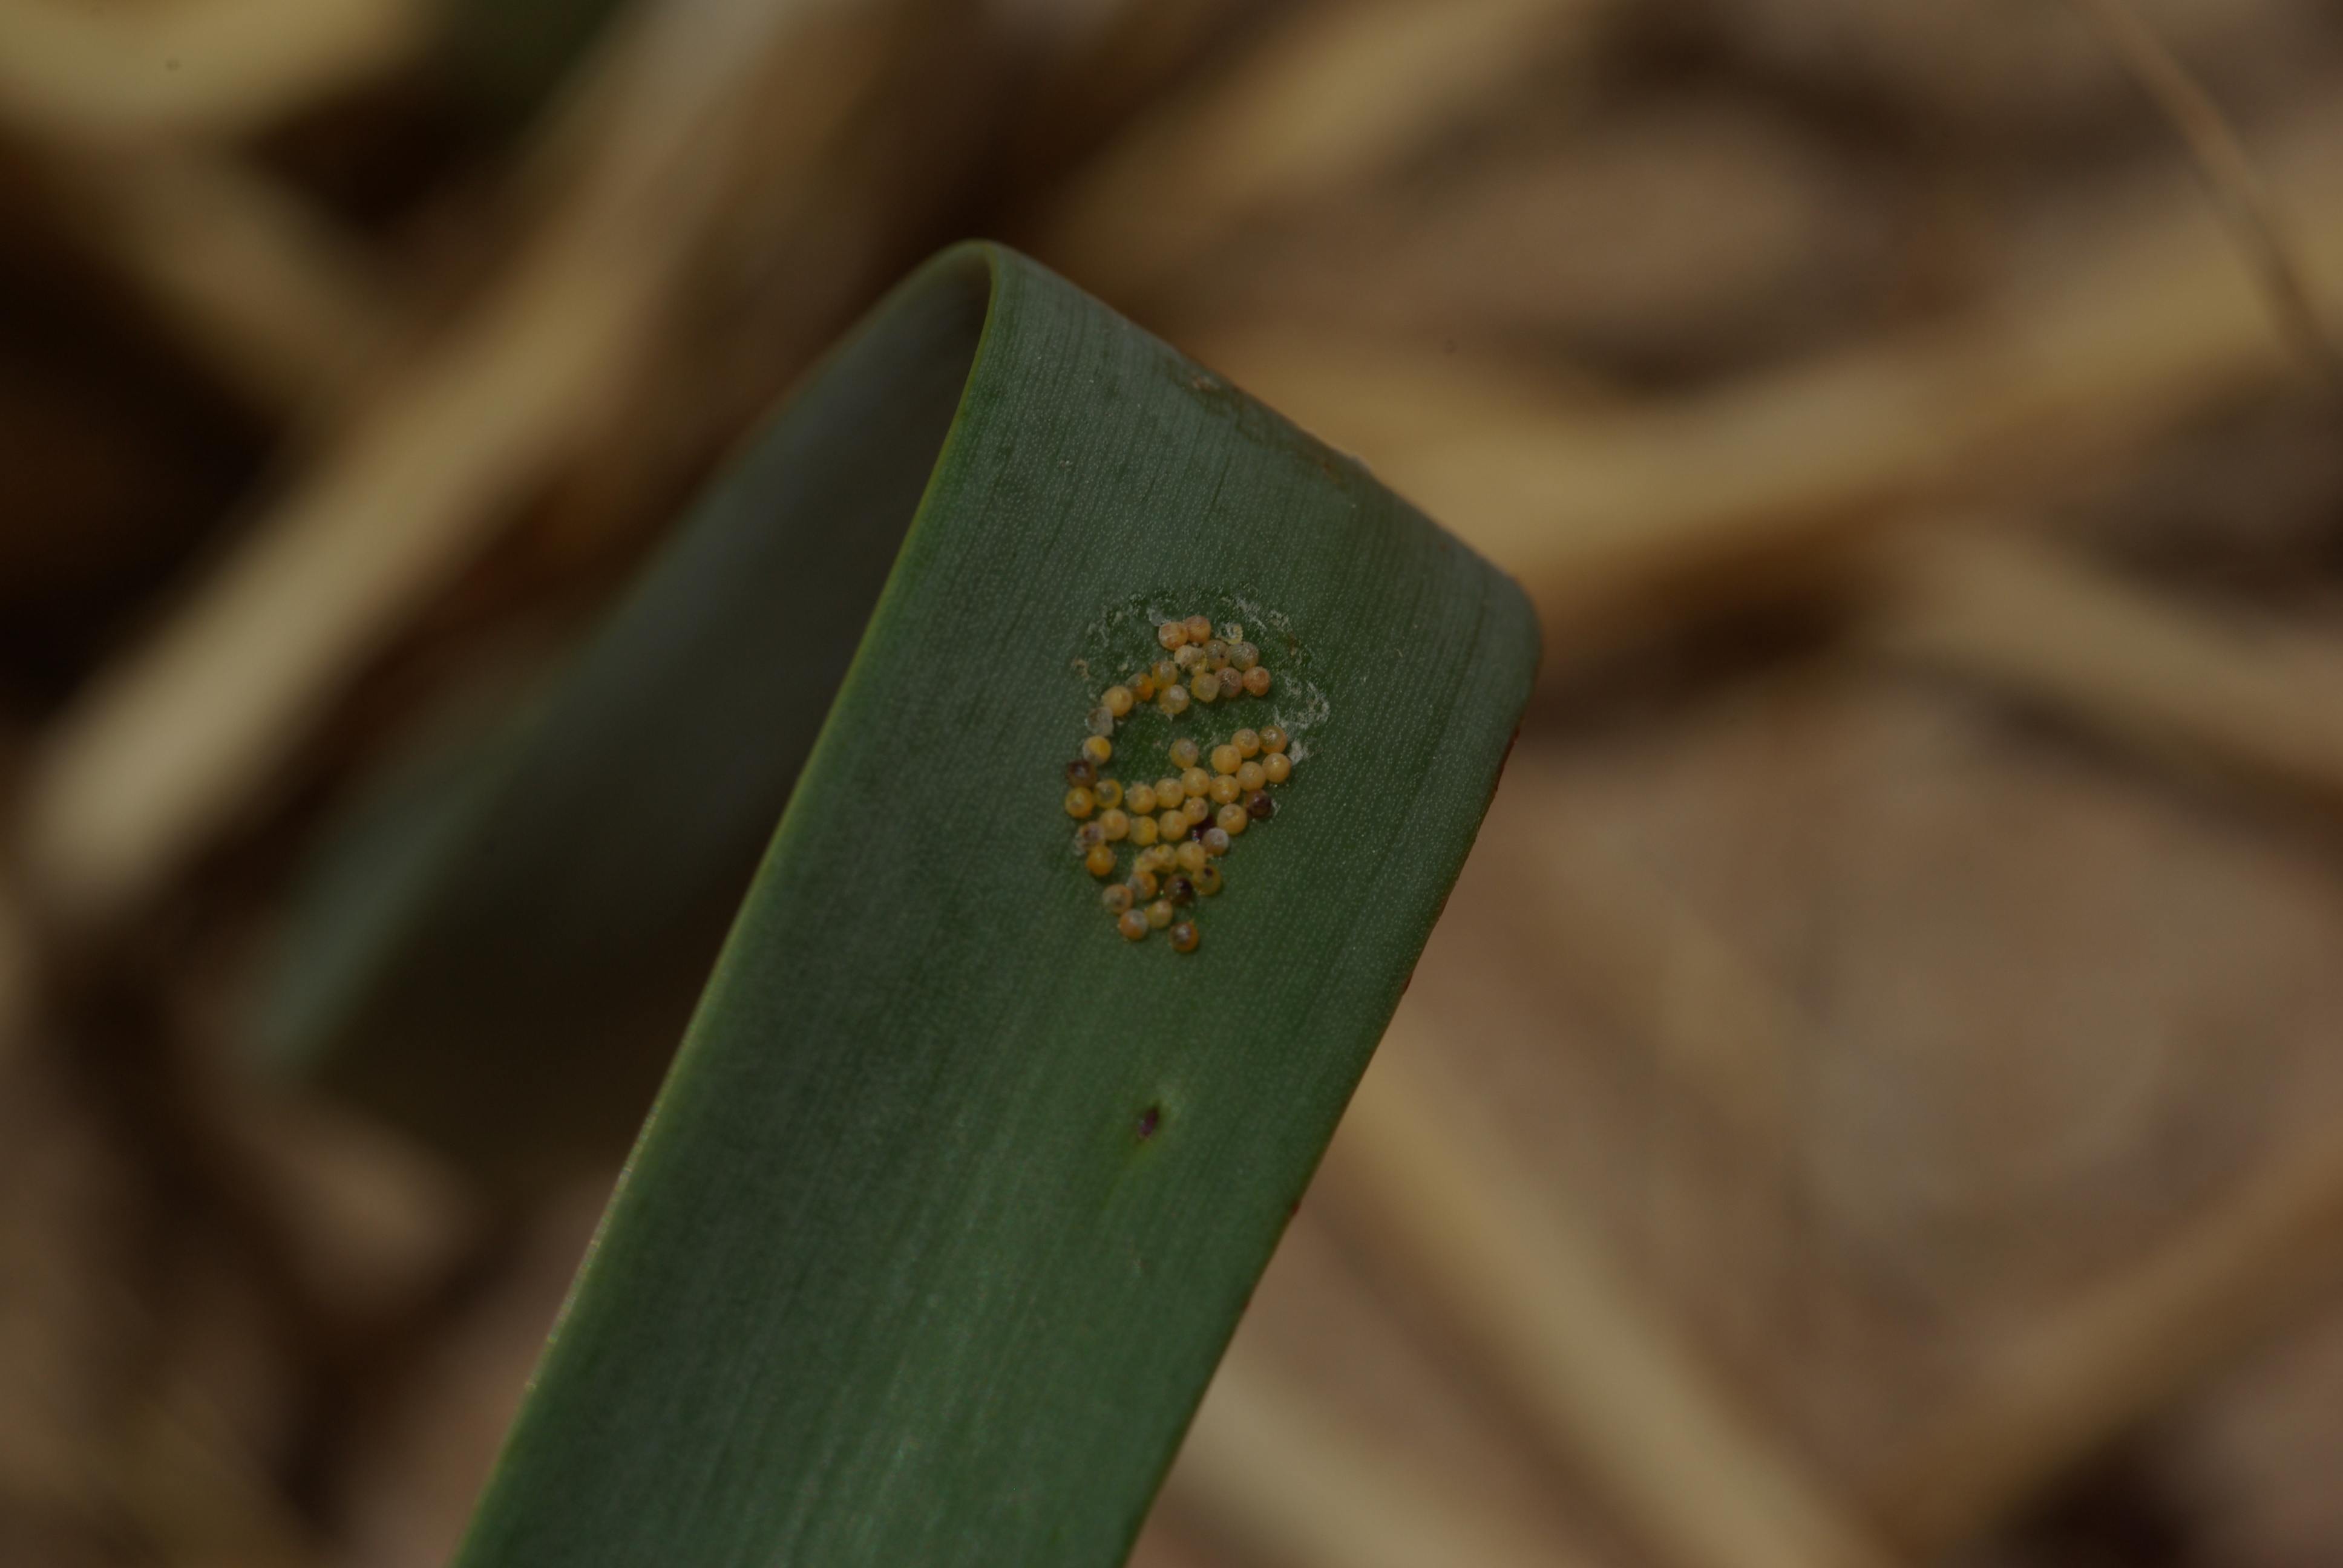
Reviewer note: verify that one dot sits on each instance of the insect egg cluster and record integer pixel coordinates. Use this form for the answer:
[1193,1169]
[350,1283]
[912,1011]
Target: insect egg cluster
[1180,825]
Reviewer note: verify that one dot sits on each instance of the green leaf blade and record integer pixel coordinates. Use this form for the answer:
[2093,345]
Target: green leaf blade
[952,1198]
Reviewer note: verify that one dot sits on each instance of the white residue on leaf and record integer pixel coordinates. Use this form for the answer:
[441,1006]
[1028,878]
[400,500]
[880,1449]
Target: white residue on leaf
[1300,703]
[1123,638]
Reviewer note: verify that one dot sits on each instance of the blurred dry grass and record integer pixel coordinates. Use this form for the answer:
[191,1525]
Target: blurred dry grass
[1874,1099]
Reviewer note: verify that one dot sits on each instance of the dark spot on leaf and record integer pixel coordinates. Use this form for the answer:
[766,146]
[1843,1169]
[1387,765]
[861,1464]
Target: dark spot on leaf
[1149,1121]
